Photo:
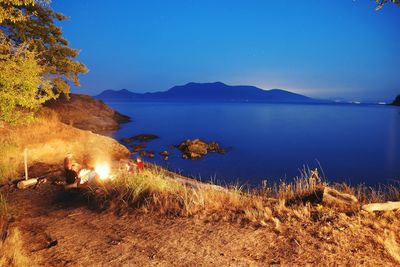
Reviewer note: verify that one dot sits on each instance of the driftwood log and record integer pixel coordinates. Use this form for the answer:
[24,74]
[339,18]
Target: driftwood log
[381,206]
[334,198]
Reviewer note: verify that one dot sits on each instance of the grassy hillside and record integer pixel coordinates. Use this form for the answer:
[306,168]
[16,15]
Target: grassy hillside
[48,140]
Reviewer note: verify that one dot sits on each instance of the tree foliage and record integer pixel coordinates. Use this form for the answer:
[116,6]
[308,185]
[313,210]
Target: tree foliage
[36,62]
[10,9]
[37,29]
[381,3]
[22,86]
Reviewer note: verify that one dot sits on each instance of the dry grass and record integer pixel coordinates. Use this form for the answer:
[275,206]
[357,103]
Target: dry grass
[12,251]
[155,191]
[391,245]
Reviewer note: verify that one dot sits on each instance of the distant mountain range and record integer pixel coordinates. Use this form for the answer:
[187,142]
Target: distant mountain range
[209,92]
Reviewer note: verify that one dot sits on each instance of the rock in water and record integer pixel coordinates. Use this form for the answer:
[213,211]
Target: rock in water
[396,102]
[164,153]
[197,148]
[140,137]
[150,154]
[193,148]
[214,147]
[139,147]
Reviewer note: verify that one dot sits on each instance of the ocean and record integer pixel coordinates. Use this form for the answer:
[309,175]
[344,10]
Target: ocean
[347,143]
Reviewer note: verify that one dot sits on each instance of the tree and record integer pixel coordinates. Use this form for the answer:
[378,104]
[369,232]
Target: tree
[9,9]
[22,86]
[37,29]
[381,3]
[36,63]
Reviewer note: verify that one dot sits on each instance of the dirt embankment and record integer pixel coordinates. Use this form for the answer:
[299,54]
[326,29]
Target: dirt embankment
[87,113]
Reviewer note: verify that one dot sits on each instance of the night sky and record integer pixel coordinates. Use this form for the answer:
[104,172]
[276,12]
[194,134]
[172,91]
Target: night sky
[323,49]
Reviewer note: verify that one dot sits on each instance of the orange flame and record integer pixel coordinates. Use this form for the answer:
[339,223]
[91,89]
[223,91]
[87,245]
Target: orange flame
[103,170]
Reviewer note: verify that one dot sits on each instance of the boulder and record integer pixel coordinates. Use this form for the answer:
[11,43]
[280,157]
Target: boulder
[197,148]
[193,148]
[164,153]
[214,147]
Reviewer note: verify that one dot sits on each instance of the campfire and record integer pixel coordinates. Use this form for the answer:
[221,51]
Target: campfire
[103,171]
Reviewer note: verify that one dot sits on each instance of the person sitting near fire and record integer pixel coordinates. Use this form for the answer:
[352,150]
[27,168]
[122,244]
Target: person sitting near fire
[87,177]
[139,165]
[126,165]
[71,170]
[75,175]
[132,165]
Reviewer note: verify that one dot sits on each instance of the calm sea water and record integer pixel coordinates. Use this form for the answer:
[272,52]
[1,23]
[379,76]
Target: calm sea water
[352,143]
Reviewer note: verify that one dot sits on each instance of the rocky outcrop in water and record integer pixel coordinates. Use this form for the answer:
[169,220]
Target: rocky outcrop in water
[197,148]
[150,153]
[396,102]
[139,138]
[138,147]
[164,154]
[86,113]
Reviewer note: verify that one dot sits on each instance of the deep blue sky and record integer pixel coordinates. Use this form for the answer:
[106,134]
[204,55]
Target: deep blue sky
[319,48]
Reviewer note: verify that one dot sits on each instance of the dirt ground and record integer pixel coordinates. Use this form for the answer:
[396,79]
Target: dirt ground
[60,229]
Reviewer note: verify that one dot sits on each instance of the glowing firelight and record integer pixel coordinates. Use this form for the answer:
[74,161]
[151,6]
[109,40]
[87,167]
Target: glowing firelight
[103,170]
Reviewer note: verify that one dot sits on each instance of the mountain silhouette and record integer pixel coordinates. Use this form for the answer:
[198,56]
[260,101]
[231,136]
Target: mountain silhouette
[217,91]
